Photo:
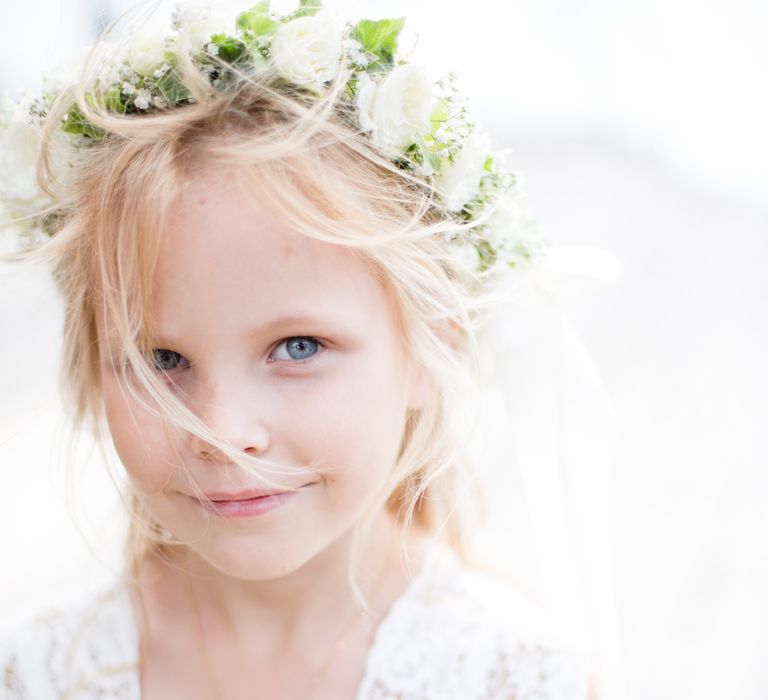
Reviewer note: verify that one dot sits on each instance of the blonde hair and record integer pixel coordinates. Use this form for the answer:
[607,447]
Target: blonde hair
[330,183]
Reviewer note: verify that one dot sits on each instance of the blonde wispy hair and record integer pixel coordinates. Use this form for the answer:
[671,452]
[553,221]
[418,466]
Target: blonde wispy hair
[308,157]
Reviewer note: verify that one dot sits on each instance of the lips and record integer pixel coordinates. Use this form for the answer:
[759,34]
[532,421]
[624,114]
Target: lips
[244,504]
[220,497]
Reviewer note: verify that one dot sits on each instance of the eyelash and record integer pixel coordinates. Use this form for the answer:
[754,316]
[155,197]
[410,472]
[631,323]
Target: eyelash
[321,347]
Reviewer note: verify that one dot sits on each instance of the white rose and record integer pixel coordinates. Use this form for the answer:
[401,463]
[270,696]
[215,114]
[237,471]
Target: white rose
[19,147]
[146,53]
[307,50]
[509,221]
[200,32]
[398,109]
[366,91]
[198,21]
[8,110]
[460,182]
[67,72]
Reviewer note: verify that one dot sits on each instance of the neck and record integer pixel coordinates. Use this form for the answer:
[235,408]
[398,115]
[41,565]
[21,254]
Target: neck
[294,605]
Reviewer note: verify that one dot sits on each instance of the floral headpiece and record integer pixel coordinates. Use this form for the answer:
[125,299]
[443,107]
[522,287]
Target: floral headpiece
[423,126]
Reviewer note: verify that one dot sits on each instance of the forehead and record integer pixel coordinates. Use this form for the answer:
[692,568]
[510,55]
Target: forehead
[226,254]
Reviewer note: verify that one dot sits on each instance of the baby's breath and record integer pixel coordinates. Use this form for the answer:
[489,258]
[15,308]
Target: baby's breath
[368,49]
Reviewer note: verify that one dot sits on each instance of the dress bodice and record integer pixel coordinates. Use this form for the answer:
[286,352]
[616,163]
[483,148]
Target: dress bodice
[455,634]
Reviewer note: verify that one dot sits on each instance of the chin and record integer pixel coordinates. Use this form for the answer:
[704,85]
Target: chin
[255,563]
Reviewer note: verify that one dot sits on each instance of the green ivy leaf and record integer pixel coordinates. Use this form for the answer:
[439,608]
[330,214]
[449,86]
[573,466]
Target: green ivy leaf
[172,89]
[75,123]
[230,48]
[308,7]
[257,20]
[379,37]
[114,101]
[487,254]
[439,114]
[435,162]
[171,58]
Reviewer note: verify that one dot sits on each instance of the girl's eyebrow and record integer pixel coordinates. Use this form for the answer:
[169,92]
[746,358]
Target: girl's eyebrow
[295,318]
[288,319]
[291,319]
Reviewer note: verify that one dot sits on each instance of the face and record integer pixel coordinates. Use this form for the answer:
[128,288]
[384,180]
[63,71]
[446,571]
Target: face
[288,348]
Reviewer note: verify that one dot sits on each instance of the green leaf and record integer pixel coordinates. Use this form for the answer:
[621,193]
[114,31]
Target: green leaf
[230,48]
[75,123]
[171,58]
[435,162]
[439,114]
[379,37]
[172,89]
[113,100]
[308,7]
[257,20]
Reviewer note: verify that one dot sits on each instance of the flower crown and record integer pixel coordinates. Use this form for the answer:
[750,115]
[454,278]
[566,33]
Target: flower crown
[423,126]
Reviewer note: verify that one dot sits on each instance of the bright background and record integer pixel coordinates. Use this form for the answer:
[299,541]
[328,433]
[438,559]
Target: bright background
[641,130]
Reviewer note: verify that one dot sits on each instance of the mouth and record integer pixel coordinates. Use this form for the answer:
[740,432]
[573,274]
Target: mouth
[244,504]
[247,495]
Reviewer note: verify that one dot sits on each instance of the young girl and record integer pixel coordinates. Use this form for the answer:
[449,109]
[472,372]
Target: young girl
[276,239]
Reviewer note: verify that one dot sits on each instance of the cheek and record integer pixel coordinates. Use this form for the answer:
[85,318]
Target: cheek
[360,431]
[139,439]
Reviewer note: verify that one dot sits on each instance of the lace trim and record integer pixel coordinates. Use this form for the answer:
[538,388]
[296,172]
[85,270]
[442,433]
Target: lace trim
[454,634]
[86,651]
[458,634]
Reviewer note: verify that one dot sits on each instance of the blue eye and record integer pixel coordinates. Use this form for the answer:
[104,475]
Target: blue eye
[164,359]
[300,348]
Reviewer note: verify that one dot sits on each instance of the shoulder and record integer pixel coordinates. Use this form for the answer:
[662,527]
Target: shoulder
[466,634]
[80,650]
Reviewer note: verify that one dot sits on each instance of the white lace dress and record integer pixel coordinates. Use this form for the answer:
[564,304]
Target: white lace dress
[454,634]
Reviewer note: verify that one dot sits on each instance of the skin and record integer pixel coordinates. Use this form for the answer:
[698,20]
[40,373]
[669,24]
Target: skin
[271,590]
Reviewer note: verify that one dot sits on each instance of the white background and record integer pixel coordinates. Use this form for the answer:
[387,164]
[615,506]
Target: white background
[641,130]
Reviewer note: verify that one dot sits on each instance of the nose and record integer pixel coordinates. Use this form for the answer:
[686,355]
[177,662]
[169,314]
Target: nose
[237,423]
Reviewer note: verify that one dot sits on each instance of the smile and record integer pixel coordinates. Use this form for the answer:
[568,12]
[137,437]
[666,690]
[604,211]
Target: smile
[246,507]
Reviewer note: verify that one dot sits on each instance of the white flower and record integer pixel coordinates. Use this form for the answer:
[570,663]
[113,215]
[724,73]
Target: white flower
[366,91]
[463,254]
[67,72]
[146,53]
[307,50]
[200,32]
[512,232]
[398,109]
[19,147]
[508,220]
[107,65]
[198,22]
[355,52]
[160,72]
[460,182]
[143,98]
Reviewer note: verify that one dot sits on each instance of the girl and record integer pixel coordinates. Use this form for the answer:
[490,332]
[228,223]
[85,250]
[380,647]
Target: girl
[276,239]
